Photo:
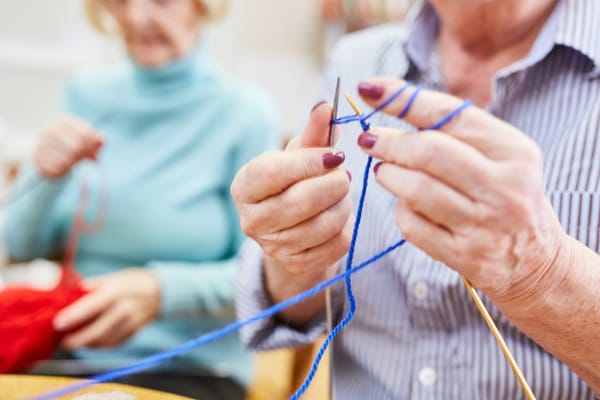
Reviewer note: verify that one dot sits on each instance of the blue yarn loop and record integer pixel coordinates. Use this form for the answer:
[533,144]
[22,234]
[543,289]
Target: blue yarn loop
[209,337]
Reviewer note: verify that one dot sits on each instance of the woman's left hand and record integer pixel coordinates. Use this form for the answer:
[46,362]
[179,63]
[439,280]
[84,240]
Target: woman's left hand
[117,306]
[471,194]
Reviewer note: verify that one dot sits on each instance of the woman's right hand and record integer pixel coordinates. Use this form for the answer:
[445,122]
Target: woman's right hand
[63,144]
[295,204]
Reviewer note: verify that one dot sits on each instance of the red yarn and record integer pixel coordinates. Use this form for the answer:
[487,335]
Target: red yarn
[27,334]
[26,315]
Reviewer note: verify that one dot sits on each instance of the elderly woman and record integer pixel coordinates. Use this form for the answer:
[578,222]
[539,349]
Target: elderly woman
[473,197]
[168,131]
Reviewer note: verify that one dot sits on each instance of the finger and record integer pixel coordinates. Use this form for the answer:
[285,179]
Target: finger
[87,140]
[300,202]
[316,133]
[98,332]
[53,162]
[83,310]
[273,172]
[124,325]
[495,138]
[426,196]
[312,232]
[441,156]
[433,239]
[326,253]
[69,144]
[97,282]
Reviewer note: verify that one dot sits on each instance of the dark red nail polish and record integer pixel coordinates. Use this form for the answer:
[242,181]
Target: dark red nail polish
[367,140]
[317,106]
[333,160]
[349,176]
[376,167]
[371,91]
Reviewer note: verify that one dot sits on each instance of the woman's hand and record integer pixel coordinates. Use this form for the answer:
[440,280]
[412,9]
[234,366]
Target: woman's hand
[471,195]
[295,205]
[63,144]
[118,305]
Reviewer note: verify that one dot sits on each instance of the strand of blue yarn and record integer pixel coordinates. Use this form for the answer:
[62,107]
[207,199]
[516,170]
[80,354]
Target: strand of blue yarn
[209,337]
[364,121]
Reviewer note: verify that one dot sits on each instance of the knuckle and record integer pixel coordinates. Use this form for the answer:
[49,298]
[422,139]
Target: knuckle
[427,153]
[249,226]
[534,152]
[415,189]
[237,186]
[270,172]
[402,219]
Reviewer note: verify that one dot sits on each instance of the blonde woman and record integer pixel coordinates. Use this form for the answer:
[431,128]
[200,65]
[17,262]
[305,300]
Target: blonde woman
[169,131]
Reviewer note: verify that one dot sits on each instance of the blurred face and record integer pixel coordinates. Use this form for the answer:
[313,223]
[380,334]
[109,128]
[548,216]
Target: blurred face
[157,32]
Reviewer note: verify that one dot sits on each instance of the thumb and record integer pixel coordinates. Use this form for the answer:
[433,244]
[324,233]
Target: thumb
[316,133]
[93,144]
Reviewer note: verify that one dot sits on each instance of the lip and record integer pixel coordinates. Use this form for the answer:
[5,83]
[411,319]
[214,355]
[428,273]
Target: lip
[147,41]
[144,39]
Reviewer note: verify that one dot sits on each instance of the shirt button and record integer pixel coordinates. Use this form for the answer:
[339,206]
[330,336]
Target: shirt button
[427,376]
[420,291]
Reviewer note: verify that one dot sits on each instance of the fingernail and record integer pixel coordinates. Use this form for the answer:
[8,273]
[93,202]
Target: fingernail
[367,140]
[317,106]
[376,167]
[349,176]
[370,91]
[333,160]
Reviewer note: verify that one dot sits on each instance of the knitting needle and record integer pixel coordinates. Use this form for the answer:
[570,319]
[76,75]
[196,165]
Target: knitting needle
[334,113]
[482,310]
[496,333]
[353,104]
[328,303]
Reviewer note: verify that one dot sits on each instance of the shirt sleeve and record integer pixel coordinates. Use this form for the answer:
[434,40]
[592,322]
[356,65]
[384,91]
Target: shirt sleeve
[252,298]
[29,228]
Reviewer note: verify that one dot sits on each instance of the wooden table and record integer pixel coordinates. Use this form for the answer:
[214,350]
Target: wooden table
[21,387]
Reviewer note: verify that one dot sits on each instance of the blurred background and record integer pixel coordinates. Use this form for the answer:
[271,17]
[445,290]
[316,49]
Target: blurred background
[281,45]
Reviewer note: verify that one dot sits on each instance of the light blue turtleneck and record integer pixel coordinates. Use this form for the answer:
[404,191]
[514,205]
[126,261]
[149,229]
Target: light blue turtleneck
[174,138]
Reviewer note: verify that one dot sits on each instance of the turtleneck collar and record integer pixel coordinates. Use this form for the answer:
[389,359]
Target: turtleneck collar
[175,74]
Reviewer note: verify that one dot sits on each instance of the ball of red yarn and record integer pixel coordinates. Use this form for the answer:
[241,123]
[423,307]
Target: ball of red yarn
[26,315]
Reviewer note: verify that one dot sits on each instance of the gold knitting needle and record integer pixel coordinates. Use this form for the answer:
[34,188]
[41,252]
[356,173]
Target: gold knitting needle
[496,333]
[482,310]
[353,104]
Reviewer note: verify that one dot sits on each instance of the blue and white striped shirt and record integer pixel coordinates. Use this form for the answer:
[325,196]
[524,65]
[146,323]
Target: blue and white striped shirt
[416,334]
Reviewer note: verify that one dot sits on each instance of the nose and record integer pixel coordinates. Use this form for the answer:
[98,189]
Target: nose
[136,13]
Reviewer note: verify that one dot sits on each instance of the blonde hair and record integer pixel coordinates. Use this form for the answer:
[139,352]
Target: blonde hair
[97,13]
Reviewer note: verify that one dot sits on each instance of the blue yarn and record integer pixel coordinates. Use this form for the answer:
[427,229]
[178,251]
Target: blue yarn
[410,103]
[346,120]
[389,101]
[349,293]
[466,104]
[272,311]
[211,336]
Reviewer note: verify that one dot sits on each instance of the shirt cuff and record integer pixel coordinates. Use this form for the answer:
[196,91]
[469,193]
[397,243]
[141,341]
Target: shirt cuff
[252,298]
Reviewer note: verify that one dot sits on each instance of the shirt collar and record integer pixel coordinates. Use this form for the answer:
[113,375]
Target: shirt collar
[578,27]
[571,24]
